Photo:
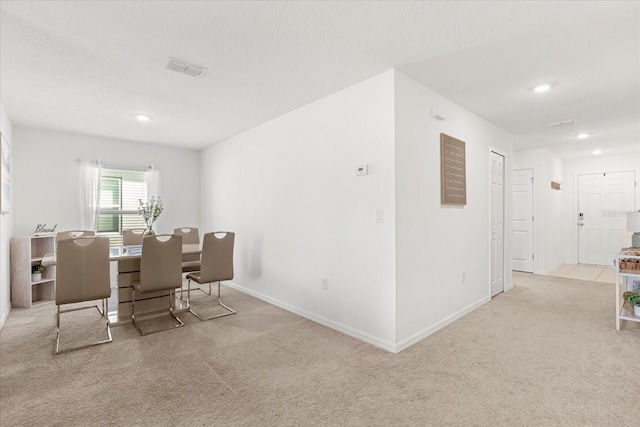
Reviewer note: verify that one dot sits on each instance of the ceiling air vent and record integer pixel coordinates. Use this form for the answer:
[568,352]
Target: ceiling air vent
[183,67]
[563,123]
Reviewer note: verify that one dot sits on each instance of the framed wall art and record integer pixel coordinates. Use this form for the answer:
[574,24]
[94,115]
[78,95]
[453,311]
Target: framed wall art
[453,171]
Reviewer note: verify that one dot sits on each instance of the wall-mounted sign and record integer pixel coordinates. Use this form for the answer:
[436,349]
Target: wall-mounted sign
[44,229]
[453,171]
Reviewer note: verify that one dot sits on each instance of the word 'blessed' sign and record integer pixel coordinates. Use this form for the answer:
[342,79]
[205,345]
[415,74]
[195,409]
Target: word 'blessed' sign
[43,229]
[453,171]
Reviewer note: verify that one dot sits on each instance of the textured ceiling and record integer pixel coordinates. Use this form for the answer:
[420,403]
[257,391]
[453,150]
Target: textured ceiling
[89,67]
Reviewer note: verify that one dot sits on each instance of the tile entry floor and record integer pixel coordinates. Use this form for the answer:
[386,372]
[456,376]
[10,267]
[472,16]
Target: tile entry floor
[597,273]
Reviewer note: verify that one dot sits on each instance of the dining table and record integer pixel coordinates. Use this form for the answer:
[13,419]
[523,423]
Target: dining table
[125,253]
[127,259]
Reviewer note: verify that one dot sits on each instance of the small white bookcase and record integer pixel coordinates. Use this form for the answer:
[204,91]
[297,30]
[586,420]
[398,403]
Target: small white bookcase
[625,280]
[27,251]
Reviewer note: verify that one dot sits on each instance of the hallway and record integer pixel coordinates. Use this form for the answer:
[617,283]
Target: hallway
[596,273]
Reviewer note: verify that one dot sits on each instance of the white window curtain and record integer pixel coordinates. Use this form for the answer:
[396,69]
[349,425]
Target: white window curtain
[90,176]
[153,186]
[90,185]
[153,182]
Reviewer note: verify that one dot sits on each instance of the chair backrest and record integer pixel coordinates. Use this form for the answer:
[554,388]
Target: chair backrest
[161,262]
[132,236]
[82,270]
[72,234]
[217,256]
[189,235]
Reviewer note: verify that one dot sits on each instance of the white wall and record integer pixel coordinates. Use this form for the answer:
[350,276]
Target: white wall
[548,228]
[587,165]
[46,177]
[5,232]
[554,252]
[288,189]
[435,243]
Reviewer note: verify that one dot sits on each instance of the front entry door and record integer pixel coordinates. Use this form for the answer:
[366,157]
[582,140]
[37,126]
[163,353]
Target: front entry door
[603,201]
[497,223]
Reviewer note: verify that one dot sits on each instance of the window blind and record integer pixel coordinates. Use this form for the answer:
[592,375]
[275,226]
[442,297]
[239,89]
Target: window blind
[120,192]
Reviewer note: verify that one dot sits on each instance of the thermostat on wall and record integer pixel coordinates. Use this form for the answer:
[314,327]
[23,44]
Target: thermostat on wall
[362,170]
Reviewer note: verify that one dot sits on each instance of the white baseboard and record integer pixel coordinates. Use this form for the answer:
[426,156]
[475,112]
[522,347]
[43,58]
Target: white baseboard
[419,336]
[508,287]
[3,318]
[362,336]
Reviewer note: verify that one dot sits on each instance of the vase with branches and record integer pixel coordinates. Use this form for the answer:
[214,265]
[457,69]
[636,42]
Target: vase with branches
[150,211]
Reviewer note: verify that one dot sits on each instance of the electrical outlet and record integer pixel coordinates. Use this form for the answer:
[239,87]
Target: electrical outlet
[325,283]
[463,277]
[362,170]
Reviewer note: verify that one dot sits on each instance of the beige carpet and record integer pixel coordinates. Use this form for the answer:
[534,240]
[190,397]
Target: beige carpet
[544,354]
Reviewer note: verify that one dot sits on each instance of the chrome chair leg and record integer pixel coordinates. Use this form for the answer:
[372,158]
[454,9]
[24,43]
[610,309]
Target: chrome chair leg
[58,332]
[230,311]
[102,314]
[196,289]
[181,289]
[133,311]
[171,311]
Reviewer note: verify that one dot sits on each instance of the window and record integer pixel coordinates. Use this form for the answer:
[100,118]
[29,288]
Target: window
[120,192]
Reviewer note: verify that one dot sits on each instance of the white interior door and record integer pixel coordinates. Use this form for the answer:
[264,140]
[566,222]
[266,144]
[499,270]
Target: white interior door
[497,223]
[603,201]
[522,258]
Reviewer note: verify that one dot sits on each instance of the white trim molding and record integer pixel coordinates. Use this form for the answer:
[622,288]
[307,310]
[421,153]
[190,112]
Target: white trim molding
[419,336]
[362,336]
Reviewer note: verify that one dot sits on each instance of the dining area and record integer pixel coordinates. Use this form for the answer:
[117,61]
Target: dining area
[160,279]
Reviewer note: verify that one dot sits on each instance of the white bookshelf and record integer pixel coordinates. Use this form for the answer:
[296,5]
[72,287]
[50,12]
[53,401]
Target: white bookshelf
[624,281]
[25,252]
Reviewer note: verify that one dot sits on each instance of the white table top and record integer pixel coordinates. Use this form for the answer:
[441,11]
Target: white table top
[126,252]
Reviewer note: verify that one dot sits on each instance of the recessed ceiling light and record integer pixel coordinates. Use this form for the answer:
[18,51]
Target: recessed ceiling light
[582,135]
[596,152]
[142,117]
[542,88]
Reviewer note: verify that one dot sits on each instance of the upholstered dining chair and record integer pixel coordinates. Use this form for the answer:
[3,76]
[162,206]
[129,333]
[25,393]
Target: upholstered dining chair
[132,236]
[160,270]
[72,234]
[190,235]
[217,265]
[82,274]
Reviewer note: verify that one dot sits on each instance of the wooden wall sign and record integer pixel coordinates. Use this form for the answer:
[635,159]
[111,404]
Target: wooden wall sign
[453,171]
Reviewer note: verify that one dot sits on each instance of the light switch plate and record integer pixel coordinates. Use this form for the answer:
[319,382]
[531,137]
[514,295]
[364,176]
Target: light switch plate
[362,170]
